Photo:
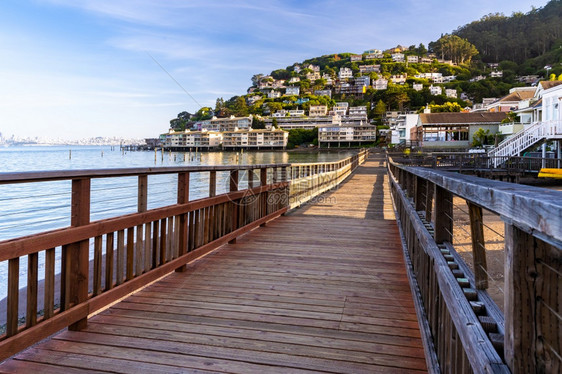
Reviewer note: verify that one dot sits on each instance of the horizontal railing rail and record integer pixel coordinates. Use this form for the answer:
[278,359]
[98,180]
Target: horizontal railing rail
[479,162]
[93,263]
[470,334]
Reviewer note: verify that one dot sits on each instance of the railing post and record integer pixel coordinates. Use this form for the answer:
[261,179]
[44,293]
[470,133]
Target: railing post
[478,248]
[443,215]
[183,198]
[142,206]
[531,303]
[75,256]
[212,183]
[235,210]
[420,188]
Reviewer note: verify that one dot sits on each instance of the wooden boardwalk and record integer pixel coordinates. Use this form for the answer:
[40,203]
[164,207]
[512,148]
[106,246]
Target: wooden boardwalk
[322,289]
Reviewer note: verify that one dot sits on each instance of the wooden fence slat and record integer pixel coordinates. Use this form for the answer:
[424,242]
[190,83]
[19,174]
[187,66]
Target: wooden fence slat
[49,295]
[97,265]
[13,296]
[32,278]
[109,254]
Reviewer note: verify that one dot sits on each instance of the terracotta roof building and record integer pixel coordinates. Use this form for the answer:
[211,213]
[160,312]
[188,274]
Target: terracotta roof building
[453,130]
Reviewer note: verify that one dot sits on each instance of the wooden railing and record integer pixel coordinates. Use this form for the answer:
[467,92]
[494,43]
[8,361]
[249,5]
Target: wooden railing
[313,179]
[468,332]
[92,264]
[462,161]
[127,252]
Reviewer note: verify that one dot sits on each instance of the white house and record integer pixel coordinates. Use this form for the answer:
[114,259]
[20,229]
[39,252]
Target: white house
[274,94]
[356,58]
[317,110]
[293,90]
[417,86]
[552,105]
[312,76]
[496,74]
[451,92]
[369,68]
[398,57]
[398,79]
[412,59]
[323,93]
[294,80]
[435,90]
[363,80]
[380,84]
[345,73]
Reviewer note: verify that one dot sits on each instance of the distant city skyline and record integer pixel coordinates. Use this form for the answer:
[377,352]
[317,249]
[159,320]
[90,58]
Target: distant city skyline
[76,69]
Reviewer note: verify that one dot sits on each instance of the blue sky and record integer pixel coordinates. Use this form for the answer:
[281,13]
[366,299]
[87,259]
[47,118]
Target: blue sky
[82,68]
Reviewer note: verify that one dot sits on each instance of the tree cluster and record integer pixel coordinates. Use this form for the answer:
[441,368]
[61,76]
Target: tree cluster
[452,47]
[519,37]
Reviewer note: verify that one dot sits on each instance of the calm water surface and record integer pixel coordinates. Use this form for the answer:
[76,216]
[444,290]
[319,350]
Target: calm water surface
[30,208]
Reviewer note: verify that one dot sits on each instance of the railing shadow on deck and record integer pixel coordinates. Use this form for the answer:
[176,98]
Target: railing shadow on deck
[128,252]
[468,331]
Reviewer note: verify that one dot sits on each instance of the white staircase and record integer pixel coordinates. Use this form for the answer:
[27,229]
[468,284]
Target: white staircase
[515,144]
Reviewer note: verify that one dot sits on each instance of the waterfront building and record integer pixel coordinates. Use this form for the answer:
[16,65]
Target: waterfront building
[191,139]
[338,135]
[453,130]
[255,139]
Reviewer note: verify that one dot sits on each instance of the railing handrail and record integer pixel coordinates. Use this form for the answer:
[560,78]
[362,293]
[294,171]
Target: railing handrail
[52,175]
[502,198]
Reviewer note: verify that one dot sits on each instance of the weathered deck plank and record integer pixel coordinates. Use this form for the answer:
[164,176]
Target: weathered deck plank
[322,289]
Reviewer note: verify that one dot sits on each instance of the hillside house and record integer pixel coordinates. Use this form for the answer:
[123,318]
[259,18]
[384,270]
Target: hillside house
[398,57]
[451,93]
[345,73]
[435,90]
[293,90]
[369,69]
[380,84]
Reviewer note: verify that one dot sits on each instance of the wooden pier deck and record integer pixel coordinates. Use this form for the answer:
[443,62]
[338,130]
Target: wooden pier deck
[322,289]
